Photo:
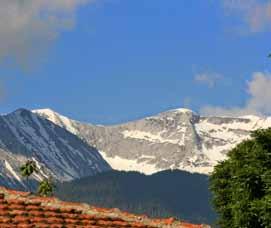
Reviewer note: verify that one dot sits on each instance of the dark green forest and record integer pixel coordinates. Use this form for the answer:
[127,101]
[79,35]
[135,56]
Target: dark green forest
[168,193]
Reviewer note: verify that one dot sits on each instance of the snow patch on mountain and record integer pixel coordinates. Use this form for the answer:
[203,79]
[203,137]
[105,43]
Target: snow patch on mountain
[192,166]
[11,170]
[123,164]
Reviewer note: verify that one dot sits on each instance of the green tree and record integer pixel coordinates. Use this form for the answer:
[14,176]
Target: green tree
[46,188]
[241,185]
[28,169]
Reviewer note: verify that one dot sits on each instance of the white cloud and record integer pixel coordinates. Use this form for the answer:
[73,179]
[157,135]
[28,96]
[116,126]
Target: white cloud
[258,103]
[259,88]
[27,27]
[256,14]
[209,79]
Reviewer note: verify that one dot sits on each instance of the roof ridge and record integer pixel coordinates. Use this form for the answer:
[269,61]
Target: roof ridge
[13,198]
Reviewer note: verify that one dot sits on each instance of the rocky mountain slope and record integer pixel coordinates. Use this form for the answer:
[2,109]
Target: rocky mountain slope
[58,153]
[176,139]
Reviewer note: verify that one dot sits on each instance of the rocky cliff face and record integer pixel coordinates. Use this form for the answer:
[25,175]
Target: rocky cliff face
[57,152]
[176,139]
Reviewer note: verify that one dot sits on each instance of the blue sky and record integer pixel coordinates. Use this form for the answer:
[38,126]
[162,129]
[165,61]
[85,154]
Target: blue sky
[112,61]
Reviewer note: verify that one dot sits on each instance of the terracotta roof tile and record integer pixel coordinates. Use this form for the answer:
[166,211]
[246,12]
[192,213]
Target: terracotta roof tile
[25,210]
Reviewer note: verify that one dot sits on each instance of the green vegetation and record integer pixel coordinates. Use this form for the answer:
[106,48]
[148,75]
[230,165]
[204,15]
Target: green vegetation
[169,193]
[241,185]
[28,169]
[45,187]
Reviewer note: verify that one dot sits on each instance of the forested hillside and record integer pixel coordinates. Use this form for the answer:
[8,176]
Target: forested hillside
[168,193]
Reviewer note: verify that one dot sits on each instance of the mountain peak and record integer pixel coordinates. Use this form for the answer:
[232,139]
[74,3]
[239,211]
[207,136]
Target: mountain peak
[56,118]
[25,135]
[19,111]
[45,111]
[182,110]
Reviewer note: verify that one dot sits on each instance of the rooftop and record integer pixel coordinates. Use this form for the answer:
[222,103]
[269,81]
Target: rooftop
[26,210]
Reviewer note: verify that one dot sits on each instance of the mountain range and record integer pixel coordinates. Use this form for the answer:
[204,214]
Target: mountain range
[175,139]
[67,149]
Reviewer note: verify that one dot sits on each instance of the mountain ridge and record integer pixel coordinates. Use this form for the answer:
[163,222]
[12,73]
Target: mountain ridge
[57,152]
[174,139]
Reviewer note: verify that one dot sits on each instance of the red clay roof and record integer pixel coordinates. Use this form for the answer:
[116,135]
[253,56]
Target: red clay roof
[25,210]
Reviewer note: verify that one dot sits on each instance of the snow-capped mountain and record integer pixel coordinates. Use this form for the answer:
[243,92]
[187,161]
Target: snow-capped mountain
[176,139]
[57,152]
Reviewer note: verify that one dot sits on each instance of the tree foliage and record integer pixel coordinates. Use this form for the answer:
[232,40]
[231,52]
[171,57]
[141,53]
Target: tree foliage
[46,188]
[28,168]
[241,185]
